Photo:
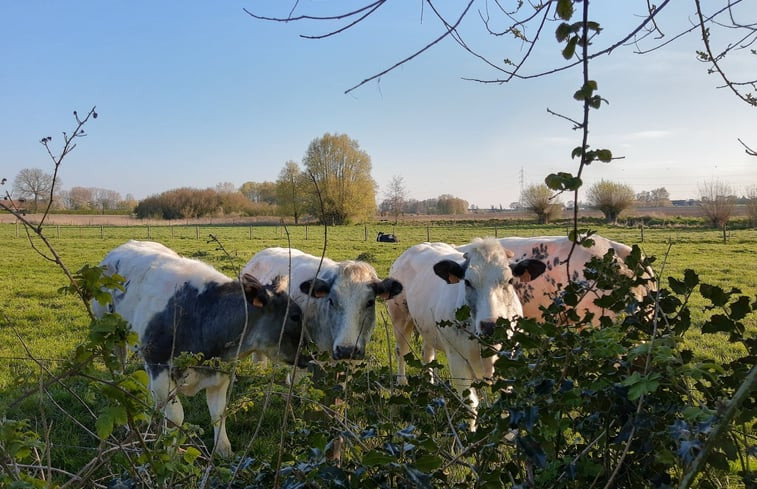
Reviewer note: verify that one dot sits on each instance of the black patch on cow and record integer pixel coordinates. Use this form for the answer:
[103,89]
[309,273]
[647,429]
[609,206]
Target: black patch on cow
[211,322]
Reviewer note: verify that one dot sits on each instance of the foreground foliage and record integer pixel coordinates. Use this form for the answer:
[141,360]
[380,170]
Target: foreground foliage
[621,405]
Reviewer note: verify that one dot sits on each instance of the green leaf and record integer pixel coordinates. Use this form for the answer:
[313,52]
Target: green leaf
[570,49]
[604,155]
[690,278]
[562,32]
[677,286]
[565,9]
[718,323]
[374,457]
[715,294]
[428,463]
[562,181]
[639,385]
[190,454]
[740,308]
[104,425]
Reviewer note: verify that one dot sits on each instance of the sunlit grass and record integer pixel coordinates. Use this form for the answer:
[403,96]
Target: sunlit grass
[36,320]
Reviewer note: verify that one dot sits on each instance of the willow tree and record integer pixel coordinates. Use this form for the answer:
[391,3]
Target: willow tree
[611,198]
[291,187]
[343,189]
[540,200]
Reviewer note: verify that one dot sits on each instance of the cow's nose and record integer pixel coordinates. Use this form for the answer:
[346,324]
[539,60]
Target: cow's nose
[348,352]
[487,327]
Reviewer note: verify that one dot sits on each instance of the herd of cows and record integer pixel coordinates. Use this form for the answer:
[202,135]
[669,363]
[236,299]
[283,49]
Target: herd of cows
[284,299]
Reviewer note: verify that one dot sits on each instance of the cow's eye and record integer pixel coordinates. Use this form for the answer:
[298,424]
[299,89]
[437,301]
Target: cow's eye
[370,303]
[511,280]
[468,284]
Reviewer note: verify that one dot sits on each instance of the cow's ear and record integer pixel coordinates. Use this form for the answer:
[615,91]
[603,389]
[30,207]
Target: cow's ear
[528,269]
[450,271]
[254,291]
[387,288]
[320,288]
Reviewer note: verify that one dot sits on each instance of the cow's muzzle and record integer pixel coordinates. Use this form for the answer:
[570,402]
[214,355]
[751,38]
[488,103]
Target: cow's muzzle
[348,353]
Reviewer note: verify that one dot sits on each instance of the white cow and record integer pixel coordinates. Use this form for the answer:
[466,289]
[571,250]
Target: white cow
[176,305]
[438,279]
[339,304]
[553,251]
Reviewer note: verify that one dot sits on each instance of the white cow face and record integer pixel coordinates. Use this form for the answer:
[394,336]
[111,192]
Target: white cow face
[347,307]
[488,278]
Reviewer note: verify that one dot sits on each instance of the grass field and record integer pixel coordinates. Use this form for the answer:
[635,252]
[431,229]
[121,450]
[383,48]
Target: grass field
[37,321]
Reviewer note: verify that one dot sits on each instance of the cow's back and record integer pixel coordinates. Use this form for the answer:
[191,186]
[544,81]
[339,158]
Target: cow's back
[429,299]
[270,263]
[152,274]
[554,251]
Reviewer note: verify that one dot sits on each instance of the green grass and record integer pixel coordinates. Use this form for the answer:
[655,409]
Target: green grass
[36,320]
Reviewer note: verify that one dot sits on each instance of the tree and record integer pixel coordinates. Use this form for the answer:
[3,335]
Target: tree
[105,199]
[449,204]
[717,202]
[341,172]
[35,185]
[540,200]
[226,188]
[290,190]
[611,198]
[260,192]
[658,197]
[78,198]
[751,205]
[395,198]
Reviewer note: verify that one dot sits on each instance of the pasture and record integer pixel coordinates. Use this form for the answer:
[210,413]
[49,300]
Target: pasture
[40,327]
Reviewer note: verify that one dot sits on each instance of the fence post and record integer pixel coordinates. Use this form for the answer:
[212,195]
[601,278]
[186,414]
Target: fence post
[365,232]
[171,226]
[58,226]
[250,232]
[496,234]
[17,228]
[428,233]
[642,231]
[101,231]
[307,229]
[148,231]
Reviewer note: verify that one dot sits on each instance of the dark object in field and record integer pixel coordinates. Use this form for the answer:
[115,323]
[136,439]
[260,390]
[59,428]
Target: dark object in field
[387,238]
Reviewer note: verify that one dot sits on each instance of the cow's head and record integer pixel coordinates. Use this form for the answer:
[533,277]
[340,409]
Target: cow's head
[347,307]
[274,320]
[489,278]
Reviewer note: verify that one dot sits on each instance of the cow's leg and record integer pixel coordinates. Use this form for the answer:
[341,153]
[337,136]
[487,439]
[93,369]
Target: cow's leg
[163,390]
[403,329]
[462,377]
[429,353]
[216,399]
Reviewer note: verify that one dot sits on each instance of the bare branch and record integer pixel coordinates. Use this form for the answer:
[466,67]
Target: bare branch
[747,149]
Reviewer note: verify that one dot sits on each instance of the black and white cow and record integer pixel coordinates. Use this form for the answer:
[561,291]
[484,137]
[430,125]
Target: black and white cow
[387,238]
[553,251]
[177,305]
[438,279]
[338,302]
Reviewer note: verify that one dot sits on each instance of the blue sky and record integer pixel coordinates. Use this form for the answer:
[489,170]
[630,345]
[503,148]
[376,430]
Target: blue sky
[192,94]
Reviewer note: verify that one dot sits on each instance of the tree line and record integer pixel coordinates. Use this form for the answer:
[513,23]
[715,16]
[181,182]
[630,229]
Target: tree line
[333,184]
